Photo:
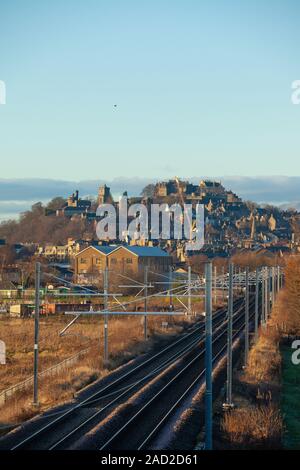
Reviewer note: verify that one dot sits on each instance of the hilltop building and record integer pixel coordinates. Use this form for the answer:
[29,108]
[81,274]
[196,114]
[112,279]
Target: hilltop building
[104,195]
[74,206]
[229,221]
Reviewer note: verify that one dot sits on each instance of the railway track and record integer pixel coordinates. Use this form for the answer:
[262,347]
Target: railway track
[70,425]
[138,431]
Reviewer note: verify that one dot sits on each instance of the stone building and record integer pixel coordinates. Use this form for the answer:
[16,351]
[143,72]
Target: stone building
[104,195]
[119,259]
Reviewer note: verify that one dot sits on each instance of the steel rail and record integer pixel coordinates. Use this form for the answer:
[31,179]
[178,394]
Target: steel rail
[97,395]
[127,374]
[174,379]
[185,393]
[125,390]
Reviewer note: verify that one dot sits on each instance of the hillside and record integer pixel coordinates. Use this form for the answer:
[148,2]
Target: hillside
[34,226]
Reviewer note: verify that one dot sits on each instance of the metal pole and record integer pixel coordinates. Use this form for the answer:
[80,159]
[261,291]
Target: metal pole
[215,284]
[266,295]
[146,302]
[263,296]
[270,290]
[256,303]
[273,286]
[278,279]
[208,356]
[36,334]
[105,291]
[229,338]
[247,315]
[223,283]
[189,290]
[170,287]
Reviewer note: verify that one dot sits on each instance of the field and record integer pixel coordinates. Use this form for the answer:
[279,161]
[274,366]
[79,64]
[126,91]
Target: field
[125,341]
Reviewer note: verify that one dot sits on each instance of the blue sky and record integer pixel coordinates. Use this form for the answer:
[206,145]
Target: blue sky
[201,87]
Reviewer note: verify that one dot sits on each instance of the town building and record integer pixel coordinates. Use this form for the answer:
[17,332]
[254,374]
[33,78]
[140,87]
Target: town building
[120,259]
[61,252]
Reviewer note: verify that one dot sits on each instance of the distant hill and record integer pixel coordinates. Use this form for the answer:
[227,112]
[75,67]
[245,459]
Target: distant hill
[17,195]
[35,226]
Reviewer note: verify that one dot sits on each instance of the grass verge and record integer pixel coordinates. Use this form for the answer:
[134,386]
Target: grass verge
[290,403]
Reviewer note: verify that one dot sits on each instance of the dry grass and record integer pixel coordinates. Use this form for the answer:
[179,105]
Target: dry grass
[125,342]
[264,362]
[257,422]
[257,426]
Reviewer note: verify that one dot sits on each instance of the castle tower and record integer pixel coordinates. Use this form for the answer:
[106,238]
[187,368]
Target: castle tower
[104,195]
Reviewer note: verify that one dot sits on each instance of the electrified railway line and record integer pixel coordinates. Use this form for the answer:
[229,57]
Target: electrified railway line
[72,424]
[138,430]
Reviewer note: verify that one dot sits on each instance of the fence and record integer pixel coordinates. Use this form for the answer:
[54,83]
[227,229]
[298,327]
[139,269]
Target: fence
[5,394]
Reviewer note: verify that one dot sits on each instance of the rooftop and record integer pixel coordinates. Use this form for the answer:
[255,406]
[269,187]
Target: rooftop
[136,250]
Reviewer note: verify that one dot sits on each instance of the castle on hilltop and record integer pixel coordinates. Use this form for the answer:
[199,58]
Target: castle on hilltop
[175,186]
[206,192]
[230,222]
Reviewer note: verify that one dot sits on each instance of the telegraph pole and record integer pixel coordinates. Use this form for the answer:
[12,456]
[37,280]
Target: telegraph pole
[256,303]
[208,356]
[229,403]
[105,291]
[247,315]
[146,302]
[36,334]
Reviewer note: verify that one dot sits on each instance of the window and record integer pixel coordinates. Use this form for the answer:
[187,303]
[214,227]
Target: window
[98,261]
[129,260]
[83,260]
[114,261]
